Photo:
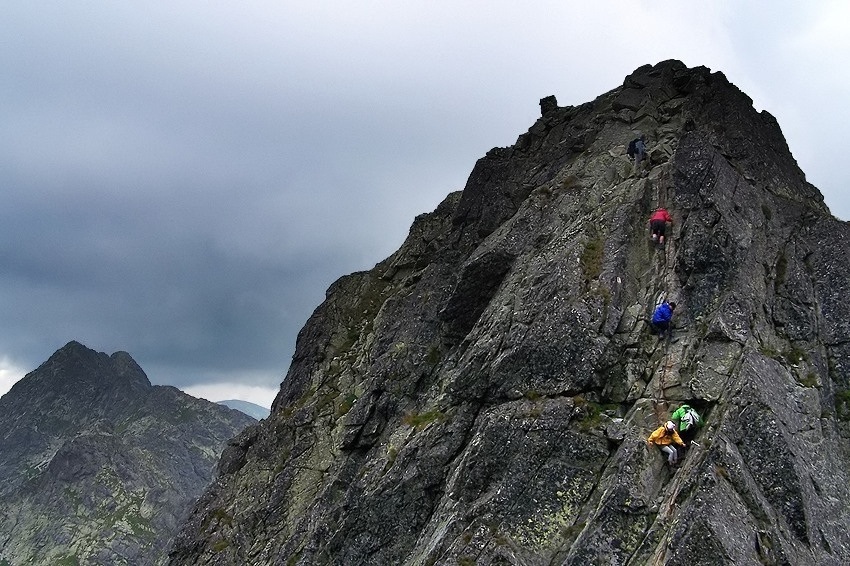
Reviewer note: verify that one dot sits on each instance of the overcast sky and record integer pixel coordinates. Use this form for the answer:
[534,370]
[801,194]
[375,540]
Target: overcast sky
[183,180]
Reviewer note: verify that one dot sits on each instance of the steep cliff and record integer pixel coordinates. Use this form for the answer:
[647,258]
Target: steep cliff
[483,395]
[97,466]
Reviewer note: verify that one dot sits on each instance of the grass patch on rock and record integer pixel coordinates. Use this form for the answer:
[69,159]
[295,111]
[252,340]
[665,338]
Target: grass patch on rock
[842,405]
[591,259]
[422,420]
[345,405]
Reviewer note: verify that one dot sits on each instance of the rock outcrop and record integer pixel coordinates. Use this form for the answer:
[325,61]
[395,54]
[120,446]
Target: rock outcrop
[97,466]
[483,395]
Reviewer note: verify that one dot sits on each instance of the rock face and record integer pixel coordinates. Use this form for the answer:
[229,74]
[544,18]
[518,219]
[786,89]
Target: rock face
[483,395]
[97,466]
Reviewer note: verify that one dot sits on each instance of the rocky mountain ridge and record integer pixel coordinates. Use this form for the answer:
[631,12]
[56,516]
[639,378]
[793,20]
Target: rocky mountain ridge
[97,466]
[484,394]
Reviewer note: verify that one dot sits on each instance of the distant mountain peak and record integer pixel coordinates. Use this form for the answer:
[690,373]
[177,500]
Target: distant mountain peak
[96,459]
[251,409]
[75,362]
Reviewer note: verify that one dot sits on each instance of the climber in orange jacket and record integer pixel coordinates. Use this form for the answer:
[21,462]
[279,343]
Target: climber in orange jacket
[658,224]
[663,437]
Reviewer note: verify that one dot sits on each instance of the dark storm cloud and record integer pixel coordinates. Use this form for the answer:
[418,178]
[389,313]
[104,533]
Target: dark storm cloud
[190,211]
[184,180]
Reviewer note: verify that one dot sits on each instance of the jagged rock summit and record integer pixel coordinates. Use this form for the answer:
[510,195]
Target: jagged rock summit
[97,466]
[483,395]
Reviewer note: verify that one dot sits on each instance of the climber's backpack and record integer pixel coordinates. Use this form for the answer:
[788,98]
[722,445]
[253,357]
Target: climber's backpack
[691,418]
[632,149]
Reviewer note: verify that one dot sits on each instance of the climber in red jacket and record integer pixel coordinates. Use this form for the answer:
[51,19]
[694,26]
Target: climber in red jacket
[658,224]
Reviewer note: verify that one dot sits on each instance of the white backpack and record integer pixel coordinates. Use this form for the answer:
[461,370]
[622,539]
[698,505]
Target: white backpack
[690,419]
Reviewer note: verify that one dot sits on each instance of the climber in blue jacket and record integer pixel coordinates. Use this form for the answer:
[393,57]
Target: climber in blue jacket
[661,319]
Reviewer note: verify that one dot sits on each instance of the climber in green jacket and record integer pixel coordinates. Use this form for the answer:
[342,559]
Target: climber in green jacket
[689,422]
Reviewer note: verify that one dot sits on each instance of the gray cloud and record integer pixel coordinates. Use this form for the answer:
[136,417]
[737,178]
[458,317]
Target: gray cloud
[183,180]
